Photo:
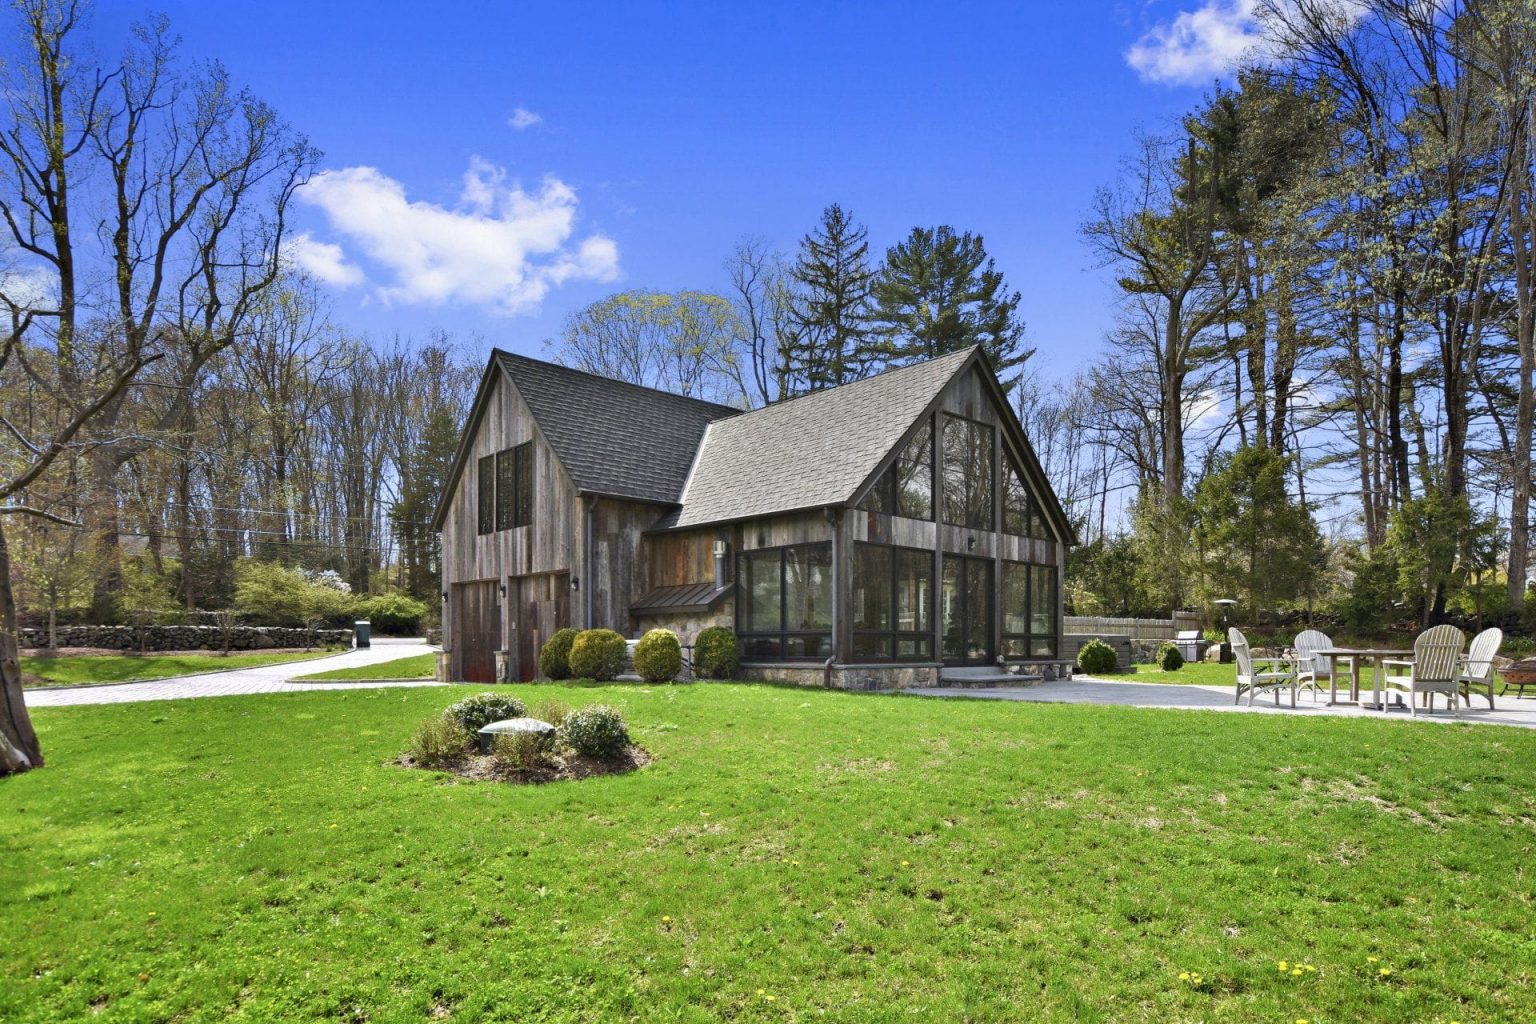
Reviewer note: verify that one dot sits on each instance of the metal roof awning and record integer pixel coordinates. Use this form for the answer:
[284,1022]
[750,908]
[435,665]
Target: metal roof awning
[690,597]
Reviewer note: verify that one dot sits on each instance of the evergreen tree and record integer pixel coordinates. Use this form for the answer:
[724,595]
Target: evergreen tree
[939,292]
[830,342]
[421,487]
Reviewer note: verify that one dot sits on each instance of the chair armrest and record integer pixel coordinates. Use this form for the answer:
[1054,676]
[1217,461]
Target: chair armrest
[1395,661]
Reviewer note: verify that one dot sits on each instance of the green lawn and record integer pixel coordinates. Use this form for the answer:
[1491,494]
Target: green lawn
[1202,673]
[790,855]
[69,670]
[420,666]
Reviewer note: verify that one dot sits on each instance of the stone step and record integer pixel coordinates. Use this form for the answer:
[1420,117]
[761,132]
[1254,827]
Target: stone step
[985,677]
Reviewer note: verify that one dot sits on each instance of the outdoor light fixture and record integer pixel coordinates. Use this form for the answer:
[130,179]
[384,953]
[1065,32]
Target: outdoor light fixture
[503,589]
[445,595]
[720,549]
[575,583]
[970,543]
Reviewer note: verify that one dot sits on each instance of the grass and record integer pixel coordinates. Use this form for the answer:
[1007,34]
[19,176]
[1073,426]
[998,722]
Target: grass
[790,855]
[84,669]
[420,666]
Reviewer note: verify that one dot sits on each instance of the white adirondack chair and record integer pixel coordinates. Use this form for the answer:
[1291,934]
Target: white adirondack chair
[1266,676]
[1477,667]
[1313,670]
[1435,668]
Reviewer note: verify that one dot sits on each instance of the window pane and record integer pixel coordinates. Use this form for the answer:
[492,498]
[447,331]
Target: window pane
[1015,502]
[760,585]
[914,476]
[813,645]
[485,482]
[913,648]
[505,488]
[914,591]
[967,473]
[871,587]
[1042,648]
[1015,647]
[1015,598]
[1042,619]
[879,497]
[872,645]
[808,586]
[753,647]
[523,475]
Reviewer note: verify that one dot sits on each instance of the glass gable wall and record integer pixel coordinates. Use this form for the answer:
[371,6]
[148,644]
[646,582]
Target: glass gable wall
[785,605]
[967,473]
[892,603]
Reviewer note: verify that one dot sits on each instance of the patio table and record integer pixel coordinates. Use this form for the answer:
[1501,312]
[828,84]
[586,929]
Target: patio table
[1375,655]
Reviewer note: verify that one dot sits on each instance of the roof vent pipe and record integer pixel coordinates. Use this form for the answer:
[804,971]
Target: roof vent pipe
[722,549]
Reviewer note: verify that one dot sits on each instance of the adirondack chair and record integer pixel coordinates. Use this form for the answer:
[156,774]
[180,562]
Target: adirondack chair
[1313,670]
[1477,667]
[1257,675]
[1435,668]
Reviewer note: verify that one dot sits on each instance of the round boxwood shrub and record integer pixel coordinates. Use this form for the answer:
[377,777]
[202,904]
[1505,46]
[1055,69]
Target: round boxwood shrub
[715,653]
[393,614]
[1096,656]
[658,656]
[472,713]
[1169,659]
[555,657]
[597,731]
[597,654]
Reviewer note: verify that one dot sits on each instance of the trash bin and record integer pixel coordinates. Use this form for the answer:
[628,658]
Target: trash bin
[360,634]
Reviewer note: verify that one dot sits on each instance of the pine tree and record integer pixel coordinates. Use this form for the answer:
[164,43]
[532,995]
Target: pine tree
[939,292]
[830,343]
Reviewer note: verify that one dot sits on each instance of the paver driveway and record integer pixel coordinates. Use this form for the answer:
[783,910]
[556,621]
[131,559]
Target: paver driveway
[1510,710]
[266,679]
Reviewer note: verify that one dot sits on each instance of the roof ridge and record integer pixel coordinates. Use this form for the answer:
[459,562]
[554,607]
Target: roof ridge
[503,353]
[887,372]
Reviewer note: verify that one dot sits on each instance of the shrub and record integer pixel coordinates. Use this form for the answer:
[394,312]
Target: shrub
[597,731]
[1096,656]
[658,656]
[393,614]
[473,713]
[1214,637]
[715,653]
[518,751]
[551,711]
[269,594]
[598,654]
[555,658]
[437,743]
[1168,658]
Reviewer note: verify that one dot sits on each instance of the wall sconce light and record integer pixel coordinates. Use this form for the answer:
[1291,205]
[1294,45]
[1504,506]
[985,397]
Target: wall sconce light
[720,547]
[970,543]
[575,583]
[503,590]
[445,597]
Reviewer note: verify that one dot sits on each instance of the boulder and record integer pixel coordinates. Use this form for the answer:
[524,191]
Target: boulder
[514,727]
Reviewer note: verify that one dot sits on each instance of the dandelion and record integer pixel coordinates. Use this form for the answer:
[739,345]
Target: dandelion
[762,992]
[1311,969]
[1296,972]
[770,998]
[1372,959]
[906,863]
[1301,1020]
[1183,975]
[1284,965]
[1385,972]
[665,919]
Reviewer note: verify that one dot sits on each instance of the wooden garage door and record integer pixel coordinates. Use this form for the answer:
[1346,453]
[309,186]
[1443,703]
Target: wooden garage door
[543,606]
[476,630]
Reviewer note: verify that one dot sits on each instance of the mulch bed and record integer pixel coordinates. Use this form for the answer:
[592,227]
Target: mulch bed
[562,766]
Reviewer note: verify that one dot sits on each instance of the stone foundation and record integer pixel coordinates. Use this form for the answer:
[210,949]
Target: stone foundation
[844,677]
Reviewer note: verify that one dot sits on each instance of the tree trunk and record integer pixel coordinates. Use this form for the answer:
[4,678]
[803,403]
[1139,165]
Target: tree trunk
[1525,401]
[19,750]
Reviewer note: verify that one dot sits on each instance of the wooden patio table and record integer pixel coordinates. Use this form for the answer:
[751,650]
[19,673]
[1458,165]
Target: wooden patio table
[1375,655]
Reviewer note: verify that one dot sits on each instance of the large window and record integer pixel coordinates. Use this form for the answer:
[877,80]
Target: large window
[892,603]
[1029,610]
[513,487]
[906,488]
[1021,513]
[784,602]
[485,482]
[967,473]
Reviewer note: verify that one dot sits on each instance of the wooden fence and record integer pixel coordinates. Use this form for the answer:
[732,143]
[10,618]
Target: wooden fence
[1136,629]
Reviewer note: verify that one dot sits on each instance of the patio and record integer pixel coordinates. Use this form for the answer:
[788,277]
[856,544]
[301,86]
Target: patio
[1515,711]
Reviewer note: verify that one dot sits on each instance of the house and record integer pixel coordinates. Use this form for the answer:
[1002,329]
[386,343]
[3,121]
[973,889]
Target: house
[877,534]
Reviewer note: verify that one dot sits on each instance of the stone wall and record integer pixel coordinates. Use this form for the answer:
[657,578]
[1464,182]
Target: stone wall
[187,638]
[844,677]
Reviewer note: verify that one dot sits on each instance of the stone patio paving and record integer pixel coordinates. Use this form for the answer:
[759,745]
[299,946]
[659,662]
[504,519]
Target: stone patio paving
[1514,711]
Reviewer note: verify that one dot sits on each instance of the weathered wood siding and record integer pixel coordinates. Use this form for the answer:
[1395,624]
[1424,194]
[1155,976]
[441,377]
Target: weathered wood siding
[620,567]
[681,558]
[545,546]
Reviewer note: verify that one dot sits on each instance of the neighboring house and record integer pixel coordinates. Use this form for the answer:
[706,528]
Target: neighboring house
[865,536]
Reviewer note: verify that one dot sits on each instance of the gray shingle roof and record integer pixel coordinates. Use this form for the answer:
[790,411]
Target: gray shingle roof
[613,437]
[811,451]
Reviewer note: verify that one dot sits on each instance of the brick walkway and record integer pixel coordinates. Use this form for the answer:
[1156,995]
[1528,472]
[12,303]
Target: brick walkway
[266,679]
[1514,711]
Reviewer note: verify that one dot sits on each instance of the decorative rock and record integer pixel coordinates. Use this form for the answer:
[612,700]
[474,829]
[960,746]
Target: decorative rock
[513,727]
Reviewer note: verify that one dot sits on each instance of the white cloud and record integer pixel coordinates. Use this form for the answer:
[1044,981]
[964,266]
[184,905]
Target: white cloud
[323,260]
[1198,45]
[501,247]
[522,118]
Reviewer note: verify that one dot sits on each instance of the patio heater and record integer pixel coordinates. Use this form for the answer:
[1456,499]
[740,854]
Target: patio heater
[1225,604]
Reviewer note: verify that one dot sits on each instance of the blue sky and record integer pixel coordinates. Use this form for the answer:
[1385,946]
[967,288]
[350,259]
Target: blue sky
[491,167]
